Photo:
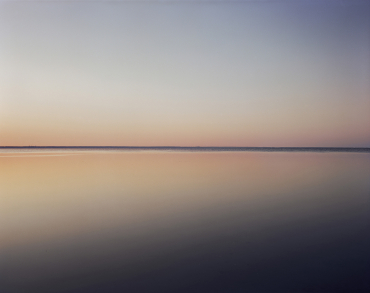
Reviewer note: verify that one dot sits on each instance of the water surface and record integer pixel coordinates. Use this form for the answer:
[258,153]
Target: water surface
[161,221]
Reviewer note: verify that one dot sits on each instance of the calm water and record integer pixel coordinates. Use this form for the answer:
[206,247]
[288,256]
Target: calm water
[152,221]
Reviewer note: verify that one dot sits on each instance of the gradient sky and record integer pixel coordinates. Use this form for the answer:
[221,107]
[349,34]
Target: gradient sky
[221,73]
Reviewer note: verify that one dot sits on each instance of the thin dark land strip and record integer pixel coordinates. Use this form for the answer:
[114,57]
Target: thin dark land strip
[194,149]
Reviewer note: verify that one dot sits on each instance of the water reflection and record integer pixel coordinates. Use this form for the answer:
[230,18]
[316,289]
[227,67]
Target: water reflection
[184,222]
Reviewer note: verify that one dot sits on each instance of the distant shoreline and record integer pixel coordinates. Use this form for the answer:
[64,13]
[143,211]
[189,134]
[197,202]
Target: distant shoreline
[194,149]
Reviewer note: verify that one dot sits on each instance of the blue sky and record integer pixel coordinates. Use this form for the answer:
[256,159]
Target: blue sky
[242,73]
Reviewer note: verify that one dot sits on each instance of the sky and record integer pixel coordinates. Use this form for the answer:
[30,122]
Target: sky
[185,73]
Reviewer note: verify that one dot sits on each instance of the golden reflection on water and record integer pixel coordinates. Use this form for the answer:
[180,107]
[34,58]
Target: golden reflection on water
[63,194]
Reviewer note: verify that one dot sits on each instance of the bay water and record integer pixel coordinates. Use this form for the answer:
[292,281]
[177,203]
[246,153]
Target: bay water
[178,221]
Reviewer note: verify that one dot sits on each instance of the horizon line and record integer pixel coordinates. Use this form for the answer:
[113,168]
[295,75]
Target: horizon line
[203,148]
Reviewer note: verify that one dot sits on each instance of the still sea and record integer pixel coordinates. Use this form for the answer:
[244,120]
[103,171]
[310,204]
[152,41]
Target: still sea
[179,221]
